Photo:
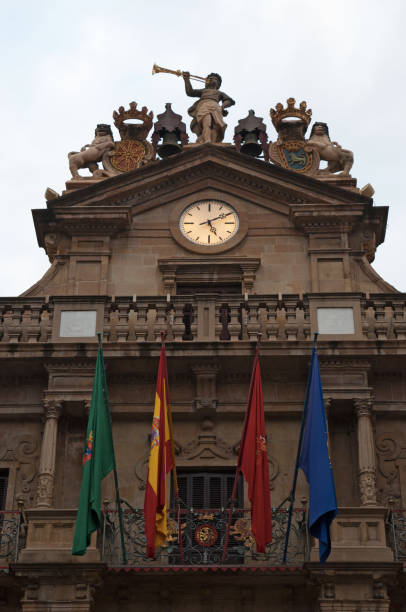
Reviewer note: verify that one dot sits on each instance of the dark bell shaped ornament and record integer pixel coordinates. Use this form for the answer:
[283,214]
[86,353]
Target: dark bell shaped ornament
[250,136]
[172,130]
[169,145]
[251,145]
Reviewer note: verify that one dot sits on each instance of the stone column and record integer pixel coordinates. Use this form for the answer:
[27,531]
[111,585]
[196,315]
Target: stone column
[366,452]
[46,473]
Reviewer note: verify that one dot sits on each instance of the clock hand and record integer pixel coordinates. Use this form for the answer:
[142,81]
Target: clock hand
[222,216]
[212,229]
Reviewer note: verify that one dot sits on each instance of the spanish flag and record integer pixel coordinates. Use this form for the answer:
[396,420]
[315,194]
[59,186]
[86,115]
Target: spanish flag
[161,462]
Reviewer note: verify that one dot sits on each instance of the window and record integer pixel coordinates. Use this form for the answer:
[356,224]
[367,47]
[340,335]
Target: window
[208,490]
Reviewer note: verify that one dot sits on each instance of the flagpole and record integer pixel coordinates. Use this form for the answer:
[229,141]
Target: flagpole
[238,468]
[174,472]
[291,497]
[118,499]
[175,475]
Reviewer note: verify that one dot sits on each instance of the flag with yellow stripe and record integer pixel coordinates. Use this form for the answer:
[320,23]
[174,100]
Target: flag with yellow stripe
[161,462]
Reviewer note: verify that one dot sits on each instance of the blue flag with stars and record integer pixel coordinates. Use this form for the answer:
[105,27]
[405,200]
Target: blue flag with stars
[315,463]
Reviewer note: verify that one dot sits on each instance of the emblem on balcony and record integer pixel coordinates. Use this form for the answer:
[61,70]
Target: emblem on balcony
[89,448]
[155,432]
[241,531]
[261,445]
[206,535]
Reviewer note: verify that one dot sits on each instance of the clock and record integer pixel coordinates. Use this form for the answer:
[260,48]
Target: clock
[209,223]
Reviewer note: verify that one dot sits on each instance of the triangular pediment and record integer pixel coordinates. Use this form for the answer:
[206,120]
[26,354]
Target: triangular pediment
[190,172]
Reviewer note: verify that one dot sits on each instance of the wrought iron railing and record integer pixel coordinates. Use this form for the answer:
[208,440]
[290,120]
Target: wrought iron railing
[397,533]
[12,536]
[204,540]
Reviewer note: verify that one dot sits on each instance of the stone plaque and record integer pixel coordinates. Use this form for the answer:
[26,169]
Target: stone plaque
[335,321]
[77,323]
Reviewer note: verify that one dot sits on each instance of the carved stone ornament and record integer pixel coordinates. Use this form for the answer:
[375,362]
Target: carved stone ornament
[291,150]
[391,453]
[133,150]
[23,450]
[90,154]
[337,158]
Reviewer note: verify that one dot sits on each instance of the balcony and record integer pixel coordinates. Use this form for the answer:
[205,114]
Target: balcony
[12,537]
[397,533]
[204,539]
[199,318]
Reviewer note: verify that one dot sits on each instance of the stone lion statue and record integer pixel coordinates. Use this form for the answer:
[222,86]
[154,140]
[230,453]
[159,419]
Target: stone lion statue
[337,158]
[90,154]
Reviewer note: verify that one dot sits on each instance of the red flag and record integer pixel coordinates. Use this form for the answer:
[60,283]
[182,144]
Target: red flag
[160,463]
[253,462]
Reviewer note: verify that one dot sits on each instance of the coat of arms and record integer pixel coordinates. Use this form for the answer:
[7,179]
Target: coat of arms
[133,150]
[291,150]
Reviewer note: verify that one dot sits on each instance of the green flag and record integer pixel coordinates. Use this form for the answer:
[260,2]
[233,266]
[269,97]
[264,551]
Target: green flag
[98,461]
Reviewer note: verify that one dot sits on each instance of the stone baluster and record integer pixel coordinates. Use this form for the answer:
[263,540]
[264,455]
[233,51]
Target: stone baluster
[366,452]
[290,303]
[123,309]
[272,327]
[306,319]
[399,320]
[132,317]
[106,321]
[46,472]
[33,327]
[46,323]
[141,329]
[161,308]
[178,327]
[244,320]
[253,325]
[381,323]
[234,327]
[25,322]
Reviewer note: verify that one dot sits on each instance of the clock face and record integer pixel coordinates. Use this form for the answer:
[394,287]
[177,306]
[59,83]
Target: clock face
[209,222]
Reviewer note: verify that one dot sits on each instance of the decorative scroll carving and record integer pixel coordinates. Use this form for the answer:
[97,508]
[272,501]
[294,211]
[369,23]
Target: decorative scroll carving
[208,445]
[23,450]
[390,451]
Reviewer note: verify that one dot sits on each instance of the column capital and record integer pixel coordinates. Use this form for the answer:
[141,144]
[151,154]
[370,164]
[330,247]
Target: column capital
[363,406]
[52,408]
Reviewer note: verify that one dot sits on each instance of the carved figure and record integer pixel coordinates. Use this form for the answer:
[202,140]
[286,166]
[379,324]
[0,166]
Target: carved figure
[207,112]
[339,159]
[92,153]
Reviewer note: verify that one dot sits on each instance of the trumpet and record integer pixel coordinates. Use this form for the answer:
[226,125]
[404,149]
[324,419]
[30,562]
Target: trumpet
[156,69]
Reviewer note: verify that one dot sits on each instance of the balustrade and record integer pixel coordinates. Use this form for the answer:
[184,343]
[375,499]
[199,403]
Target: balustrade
[397,533]
[204,539]
[12,535]
[201,318]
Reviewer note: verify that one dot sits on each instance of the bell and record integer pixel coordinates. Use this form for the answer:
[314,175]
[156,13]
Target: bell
[251,145]
[169,145]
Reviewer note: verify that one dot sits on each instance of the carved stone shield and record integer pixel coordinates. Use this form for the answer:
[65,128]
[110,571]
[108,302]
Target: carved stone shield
[295,155]
[128,155]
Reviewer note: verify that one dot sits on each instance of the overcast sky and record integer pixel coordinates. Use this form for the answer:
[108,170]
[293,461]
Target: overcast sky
[67,65]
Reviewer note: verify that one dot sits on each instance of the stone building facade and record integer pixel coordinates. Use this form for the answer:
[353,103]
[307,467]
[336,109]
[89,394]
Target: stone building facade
[298,262]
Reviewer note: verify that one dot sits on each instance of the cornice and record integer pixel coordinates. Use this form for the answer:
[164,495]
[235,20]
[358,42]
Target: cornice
[193,162]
